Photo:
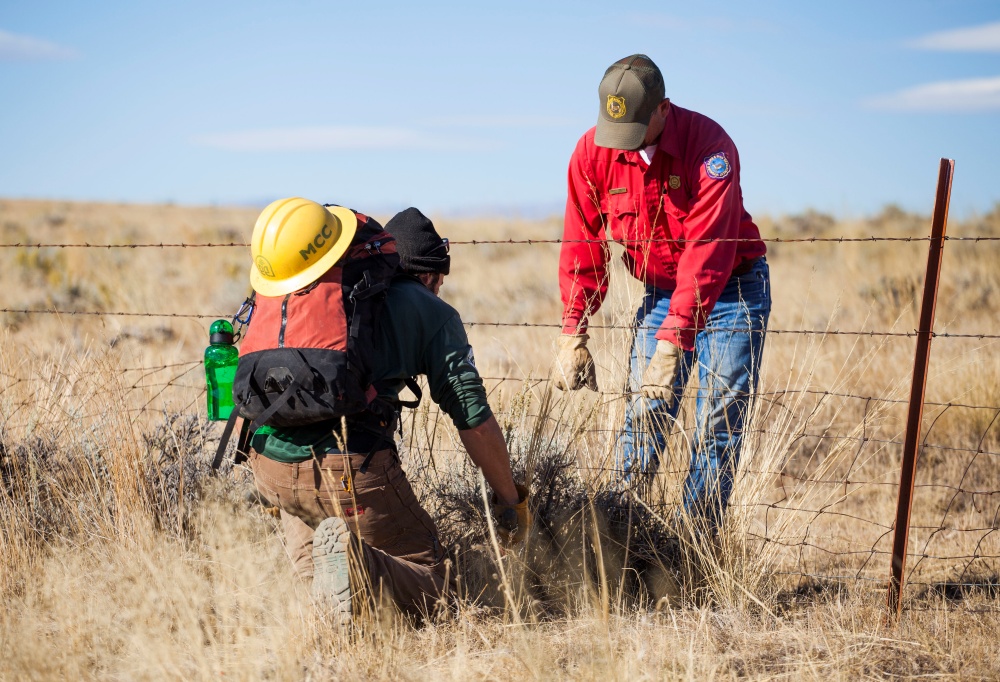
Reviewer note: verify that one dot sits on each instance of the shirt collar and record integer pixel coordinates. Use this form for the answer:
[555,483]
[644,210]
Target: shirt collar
[668,140]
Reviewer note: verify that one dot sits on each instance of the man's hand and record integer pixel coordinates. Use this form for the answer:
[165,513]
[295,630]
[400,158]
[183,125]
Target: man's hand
[658,380]
[513,520]
[574,364]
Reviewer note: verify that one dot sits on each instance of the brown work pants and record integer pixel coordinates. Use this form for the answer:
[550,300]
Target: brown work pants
[402,554]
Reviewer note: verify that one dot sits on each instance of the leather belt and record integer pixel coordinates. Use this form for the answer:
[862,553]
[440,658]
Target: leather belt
[745,267]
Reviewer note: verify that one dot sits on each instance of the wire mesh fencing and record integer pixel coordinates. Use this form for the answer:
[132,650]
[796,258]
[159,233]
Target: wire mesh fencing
[818,478]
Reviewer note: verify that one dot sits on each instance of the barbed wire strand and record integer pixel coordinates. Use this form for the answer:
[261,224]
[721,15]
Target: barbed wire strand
[524,242]
[811,332]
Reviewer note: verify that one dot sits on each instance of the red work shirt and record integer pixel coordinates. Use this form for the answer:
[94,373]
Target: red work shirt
[681,220]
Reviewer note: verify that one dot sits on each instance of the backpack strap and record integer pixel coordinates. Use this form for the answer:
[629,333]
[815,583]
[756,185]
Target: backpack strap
[414,387]
[366,288]
[227,434]
[362,291]
[279,402]
[376,446]
[243,444]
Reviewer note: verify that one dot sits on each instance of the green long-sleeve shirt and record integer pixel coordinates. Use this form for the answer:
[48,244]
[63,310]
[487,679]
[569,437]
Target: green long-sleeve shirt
[416,333]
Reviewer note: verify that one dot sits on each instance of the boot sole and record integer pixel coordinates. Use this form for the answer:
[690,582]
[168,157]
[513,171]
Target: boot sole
[331,586]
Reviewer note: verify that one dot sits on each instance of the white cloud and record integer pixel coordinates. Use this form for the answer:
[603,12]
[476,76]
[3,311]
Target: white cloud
[985,38]
[25,48]
[326,138]
[970,95]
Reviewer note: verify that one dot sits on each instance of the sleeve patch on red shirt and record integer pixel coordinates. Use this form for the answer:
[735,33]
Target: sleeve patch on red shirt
[717,166]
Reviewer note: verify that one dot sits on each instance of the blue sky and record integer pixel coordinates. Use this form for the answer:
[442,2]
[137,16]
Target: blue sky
[474,107]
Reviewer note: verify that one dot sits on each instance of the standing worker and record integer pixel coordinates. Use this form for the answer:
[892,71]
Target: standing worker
[349,515]
[665,183]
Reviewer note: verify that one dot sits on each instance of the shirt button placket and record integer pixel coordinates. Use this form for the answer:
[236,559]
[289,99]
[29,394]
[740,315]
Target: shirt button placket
[653,199]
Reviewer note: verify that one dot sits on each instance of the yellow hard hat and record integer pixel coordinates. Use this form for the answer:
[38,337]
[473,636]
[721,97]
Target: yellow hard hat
[295,241]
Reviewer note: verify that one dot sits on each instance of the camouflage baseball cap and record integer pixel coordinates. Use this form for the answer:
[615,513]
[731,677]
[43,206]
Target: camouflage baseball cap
[630,91]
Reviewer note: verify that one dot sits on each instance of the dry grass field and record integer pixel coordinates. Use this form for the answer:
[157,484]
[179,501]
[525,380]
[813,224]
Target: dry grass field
[121,558]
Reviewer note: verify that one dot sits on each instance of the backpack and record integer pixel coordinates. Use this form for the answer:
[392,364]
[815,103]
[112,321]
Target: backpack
[308,356]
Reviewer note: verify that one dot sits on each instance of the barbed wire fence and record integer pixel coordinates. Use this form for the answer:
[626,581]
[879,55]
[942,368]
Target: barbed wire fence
[834,464]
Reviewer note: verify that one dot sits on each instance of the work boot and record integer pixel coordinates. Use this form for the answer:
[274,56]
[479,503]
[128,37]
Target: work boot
[331,587]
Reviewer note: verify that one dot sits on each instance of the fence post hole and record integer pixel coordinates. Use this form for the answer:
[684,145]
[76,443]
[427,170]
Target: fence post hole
[925,332]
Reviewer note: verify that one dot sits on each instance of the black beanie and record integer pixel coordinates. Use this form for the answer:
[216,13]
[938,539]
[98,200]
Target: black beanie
[420,247]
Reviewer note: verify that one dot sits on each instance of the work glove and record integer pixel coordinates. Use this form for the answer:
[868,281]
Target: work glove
[574,364]
[659,377]
[513,521]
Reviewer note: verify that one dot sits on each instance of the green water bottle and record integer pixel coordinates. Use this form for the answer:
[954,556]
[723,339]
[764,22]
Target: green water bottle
[220,370]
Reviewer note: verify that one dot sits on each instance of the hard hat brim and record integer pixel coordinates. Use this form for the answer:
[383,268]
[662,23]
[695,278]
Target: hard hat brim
[349,227]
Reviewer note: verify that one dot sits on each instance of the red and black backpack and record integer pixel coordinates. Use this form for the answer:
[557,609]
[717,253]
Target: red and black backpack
[308,356]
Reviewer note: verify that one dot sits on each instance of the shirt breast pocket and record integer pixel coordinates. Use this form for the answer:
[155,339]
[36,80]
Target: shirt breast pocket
[623,213]
[675,202]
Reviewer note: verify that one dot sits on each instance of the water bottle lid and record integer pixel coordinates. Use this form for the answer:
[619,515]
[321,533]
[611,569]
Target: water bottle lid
[221,332]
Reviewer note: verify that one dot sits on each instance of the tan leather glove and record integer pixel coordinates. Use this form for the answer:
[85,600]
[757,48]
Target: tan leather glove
[513,521]
[574,364]
[658,380]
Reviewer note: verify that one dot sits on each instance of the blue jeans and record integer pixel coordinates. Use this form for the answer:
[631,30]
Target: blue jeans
[728,354]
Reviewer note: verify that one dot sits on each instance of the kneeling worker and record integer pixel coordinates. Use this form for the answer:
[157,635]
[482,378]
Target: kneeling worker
[346,504]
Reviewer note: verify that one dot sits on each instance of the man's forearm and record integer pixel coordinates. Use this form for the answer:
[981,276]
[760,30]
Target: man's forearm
[583,282]
[488,449]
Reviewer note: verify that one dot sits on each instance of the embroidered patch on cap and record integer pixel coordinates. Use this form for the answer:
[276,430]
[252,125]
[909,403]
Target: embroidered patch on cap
[717,166]
[616,106]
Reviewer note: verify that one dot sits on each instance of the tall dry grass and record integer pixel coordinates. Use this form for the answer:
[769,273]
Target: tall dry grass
[122,558]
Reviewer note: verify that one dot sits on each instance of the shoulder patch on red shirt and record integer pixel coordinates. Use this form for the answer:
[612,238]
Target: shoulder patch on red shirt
[717,166]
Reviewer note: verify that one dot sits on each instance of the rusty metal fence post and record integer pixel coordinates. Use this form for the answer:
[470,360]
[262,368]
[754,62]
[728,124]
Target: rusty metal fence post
[925,332]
